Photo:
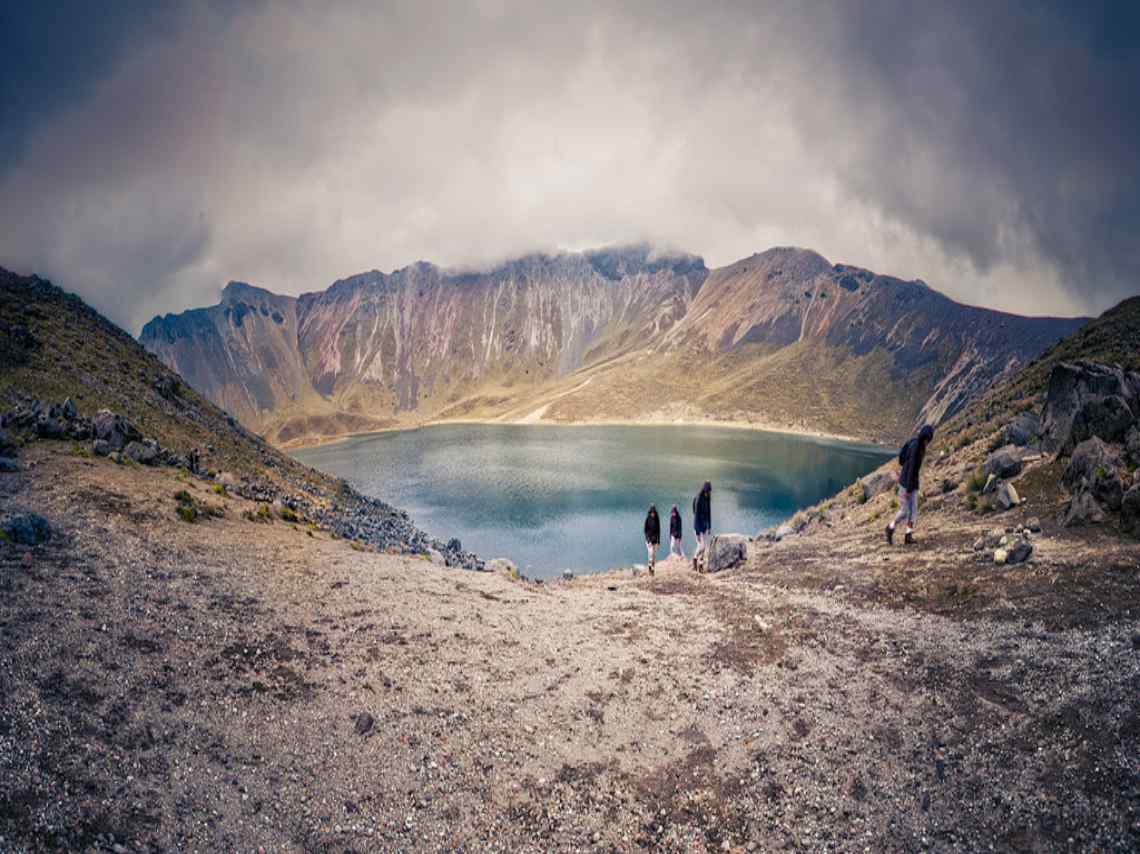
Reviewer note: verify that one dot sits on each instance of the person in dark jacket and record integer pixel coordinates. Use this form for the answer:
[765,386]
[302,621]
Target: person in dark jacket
[911,456]
[676,533]
[652,535]
[702,525]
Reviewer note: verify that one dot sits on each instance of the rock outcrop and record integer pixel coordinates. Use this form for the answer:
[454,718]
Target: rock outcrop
[1087,399]
[726,551]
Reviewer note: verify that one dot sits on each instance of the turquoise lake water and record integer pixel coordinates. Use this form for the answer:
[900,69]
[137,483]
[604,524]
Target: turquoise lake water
[553,498]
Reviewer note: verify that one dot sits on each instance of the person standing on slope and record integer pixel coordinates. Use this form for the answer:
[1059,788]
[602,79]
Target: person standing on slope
[702,524]
[652,535]
[675,533]
[911,456]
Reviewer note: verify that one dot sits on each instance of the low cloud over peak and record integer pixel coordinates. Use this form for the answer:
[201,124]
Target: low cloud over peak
[986,148]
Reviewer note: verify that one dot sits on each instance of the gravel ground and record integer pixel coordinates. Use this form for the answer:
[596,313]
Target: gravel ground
[230,685]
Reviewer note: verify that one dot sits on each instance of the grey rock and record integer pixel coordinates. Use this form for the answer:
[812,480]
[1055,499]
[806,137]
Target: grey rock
[726,551]
[114,429]
[1132,445]
[68,410]
[48,427]
[1083,509]
[1130,512]
[1004,463]
[144,453]
[567,575]
[453,545]
[778,533]
[503,565]
[1108,418]
[101,447]
[7,444]
[1007,496]
[28,529]
[1075,407]
[1024,430]
[9,465]
[1020,552]
[1033,524]
[979,544]
[1089,457]
[877,483]
[364,723]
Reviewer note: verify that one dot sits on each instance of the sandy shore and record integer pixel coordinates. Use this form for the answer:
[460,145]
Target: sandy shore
[671,422]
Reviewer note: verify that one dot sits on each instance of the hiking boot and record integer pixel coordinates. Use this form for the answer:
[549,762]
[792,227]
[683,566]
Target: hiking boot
[890,536]
[908,540]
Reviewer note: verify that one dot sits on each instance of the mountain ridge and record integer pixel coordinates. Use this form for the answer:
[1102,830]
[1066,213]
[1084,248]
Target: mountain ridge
[425,343]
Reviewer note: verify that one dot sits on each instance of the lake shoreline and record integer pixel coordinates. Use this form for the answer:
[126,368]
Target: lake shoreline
[324,441]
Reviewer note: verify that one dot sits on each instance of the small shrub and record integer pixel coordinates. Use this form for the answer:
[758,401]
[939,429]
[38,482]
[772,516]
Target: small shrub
[972,501]
[219,490]
[861,497]
[1101,474]
[894,504]
[310,533]
[288,514]
[183,497]
[187,513]
[81,451]
[986,506]
[977,481]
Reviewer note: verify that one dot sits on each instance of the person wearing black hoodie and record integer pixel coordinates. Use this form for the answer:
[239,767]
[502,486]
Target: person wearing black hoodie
[652,535]
[702,524]
[676,533]
[911,456]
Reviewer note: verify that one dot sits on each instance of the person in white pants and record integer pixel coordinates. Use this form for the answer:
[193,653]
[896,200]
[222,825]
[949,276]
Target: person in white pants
[676,533]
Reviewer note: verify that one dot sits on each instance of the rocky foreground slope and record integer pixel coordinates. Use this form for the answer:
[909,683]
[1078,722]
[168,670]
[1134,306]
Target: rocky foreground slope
[783,338]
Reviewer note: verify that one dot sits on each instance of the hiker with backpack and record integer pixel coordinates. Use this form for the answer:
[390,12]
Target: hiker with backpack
[702,525]
[652,535]
[675,533]
[911,456]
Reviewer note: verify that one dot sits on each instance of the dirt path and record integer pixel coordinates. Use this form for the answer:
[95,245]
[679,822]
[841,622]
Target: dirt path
[199,687]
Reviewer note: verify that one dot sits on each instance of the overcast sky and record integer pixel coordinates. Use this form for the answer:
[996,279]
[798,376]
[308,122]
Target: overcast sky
[147,157]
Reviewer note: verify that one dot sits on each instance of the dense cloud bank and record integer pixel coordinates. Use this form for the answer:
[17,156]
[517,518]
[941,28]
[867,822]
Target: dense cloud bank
[987,148]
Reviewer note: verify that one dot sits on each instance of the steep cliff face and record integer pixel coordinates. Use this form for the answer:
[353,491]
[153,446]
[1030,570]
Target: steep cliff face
[783,338]
[419,340]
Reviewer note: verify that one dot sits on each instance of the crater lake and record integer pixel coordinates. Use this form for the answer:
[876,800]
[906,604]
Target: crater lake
[553,497]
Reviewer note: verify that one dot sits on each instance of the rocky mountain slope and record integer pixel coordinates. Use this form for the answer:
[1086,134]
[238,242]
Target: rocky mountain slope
[71,379]
[783,338]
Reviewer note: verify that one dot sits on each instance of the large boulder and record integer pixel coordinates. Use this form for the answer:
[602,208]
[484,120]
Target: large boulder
[1004,462]
[1077,405]
[49,427]
[1091,459]
[1007,497]
[1108,418]
[877,483]
[1024,430]
[1130,512]
[28,529]
[114,429]
[726,551]
[1083,509]
[145,453]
